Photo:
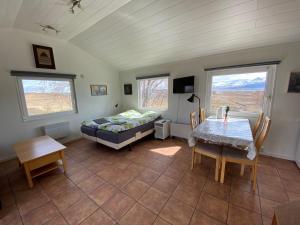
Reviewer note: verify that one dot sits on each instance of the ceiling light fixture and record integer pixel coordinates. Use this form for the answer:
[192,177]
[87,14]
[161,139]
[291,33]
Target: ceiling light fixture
[75,3]
[48,27]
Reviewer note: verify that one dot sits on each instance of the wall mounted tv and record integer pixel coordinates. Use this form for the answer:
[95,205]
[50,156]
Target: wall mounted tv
[183,85]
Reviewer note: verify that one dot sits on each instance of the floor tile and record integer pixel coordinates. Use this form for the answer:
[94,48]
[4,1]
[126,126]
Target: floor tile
[269,180]
[267,170]
[174,173]
[237,215]
[148,176]
[135,189]
[243,185]
[10,215]
[30,199]
[214,207]
[66,199]
[291,186]
[267,207]
[138,215]
[245,200]
[273,193]
[160,221]
[293,175]
[118,205]
[58,220]
[79,211]
[266,220]
[218,190]
[293,196]
[99,218]
[102,193]
[186,195]
[200,218]
[91,183]
[165,184]
[61,185]
[177,212]
[154,200]
[40,215]
[80,175]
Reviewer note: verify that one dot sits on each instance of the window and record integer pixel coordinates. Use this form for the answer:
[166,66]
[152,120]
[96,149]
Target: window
[246,91]
[40,97]
[153,93]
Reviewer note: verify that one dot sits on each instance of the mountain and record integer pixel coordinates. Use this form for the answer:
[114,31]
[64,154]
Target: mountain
[235,84]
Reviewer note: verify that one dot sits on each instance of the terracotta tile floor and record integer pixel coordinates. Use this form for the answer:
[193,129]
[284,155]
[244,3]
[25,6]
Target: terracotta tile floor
[152,184]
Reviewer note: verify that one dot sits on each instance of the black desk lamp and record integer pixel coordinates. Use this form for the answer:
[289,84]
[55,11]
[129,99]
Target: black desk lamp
[192,99]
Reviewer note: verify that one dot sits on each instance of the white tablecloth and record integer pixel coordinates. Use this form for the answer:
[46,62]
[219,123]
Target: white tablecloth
[236,132]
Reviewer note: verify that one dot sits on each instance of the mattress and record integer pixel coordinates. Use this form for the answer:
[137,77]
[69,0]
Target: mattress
[115,137]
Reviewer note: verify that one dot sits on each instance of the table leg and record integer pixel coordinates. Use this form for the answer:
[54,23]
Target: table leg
[62,156]
[28,175]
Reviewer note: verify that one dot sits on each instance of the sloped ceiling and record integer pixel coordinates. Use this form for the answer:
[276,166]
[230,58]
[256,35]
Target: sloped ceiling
[135,33]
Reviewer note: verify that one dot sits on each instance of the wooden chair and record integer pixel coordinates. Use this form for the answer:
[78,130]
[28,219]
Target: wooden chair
[202,115]
[258,124]
[209,150]
[240,156]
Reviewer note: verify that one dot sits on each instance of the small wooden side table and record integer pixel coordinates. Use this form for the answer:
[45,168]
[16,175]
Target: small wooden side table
[287,214]
[39,156]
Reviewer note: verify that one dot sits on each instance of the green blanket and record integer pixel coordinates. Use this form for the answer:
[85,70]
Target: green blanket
[124,121]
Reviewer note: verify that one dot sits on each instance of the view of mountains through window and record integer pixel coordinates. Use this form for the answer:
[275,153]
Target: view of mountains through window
[241,92]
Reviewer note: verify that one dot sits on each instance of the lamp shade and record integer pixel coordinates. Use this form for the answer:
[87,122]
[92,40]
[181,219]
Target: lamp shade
[191,99]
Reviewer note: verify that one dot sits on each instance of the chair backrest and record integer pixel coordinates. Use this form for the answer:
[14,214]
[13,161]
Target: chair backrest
[202,115]
[193,120]
[263,134]
[258,124]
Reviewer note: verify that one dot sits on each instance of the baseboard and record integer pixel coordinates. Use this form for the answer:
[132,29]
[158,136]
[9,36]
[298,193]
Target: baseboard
[278,155]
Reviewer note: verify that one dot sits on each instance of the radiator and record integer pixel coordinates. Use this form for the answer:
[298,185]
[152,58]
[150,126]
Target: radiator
[57,130]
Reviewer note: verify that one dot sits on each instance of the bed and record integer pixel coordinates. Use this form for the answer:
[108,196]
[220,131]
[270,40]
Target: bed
[120,130]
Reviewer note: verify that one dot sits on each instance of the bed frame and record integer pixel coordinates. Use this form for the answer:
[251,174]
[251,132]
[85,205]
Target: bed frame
[138,135]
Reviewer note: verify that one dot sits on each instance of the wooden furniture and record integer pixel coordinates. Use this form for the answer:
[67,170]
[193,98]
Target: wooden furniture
[202,115]
[257,124]
[209,150]
[240,156]
[39,156]
[287,214]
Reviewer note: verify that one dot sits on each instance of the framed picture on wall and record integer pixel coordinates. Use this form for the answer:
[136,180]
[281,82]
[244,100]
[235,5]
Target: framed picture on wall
[294,83]
[98,90]
[128,89]
[43,57]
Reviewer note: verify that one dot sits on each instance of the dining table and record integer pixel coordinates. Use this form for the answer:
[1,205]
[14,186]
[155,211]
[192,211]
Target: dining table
[231,131]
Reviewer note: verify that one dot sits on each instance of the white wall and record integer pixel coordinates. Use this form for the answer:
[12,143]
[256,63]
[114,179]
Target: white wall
[282,140]
[16,54]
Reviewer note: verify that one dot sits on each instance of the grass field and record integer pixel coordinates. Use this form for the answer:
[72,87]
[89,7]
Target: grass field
[45,103]
[238,101]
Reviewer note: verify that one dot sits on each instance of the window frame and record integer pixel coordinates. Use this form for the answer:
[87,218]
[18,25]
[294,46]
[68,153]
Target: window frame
[269,88]
[139,97]
[22,102]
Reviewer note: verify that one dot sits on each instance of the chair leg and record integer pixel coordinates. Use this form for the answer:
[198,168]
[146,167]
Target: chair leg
[193,158]
[242,170]
[217,169]
[254,177]
[252,173]
[223,171]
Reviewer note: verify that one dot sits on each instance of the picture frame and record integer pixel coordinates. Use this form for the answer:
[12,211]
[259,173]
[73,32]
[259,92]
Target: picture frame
[98,90]
[43,57]
[294,83]
[128,89]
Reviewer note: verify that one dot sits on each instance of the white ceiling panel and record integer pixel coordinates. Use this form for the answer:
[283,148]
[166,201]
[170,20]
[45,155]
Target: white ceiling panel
[8,12]
[134,33]
[57,14]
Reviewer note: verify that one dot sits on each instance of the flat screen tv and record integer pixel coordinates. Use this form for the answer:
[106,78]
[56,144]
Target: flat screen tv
[183,85]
